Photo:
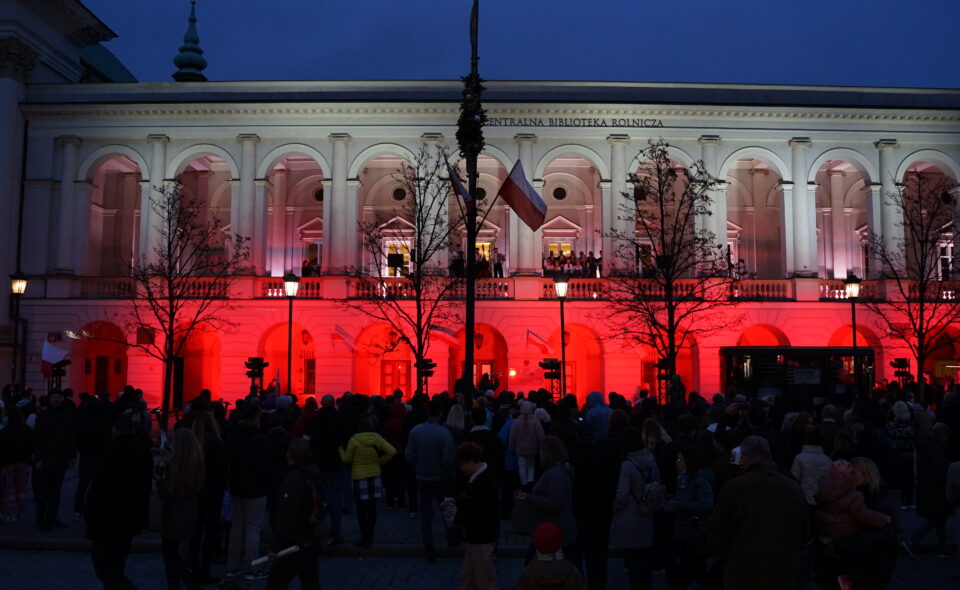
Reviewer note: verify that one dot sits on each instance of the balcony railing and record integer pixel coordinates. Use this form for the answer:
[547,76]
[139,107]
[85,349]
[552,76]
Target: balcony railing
[582,289]
[836,290]
[759,290]
[401,288]
[105,288]
[310,288]
[936,291]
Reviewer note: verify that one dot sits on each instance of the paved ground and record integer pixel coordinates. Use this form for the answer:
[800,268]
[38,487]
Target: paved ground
[31,560]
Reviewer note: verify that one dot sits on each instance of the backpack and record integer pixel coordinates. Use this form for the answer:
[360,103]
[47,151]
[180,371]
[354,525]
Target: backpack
[651,497]
[319,521]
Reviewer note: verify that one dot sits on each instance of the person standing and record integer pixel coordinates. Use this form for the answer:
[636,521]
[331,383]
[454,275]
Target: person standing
[932,466]
[16,449]
[903,431]
[326,433]
[93,443]
[366,452]
[551,499]
[429,451]
[179,496]
[760,525]
[292,524]
[205,543]
[498,260]
[632,527]
[478,512]
[248,461]
[526,436]
[54,453]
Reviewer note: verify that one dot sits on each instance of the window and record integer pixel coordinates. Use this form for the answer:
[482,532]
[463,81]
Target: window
[397,258]
[559,193]
[646,260]
[560,248]
[483,250]
[945,261]
[312,254]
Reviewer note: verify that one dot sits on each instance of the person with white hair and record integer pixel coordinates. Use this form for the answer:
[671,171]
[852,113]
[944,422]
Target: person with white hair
[903,433]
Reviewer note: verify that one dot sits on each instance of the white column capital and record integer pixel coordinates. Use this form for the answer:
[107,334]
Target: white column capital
[836,172]
[68,140]
[158,138]
[525,138]
[248,137]
[709,140]
[84,185]
[17,60]
[326,183]
[887,144]
[605,184]
[234,182]
[537,183]
[618,139]
[263,183]
[354,183]
[432,138]
[800,142]
[338,137]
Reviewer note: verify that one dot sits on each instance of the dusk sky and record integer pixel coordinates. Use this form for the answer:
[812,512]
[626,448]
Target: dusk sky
[832,42]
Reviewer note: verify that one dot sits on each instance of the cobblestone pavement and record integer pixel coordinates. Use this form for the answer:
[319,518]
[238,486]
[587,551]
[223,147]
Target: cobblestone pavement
[33,560]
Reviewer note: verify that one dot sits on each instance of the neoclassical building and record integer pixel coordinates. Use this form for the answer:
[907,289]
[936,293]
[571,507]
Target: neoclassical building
[298,166]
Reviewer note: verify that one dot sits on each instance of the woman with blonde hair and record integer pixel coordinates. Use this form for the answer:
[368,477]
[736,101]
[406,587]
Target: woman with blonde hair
[179,489]
[205,541]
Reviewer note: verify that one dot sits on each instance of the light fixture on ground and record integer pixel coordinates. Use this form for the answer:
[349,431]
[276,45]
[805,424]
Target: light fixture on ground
[18,286]
[291,284]
[560,283]
[852,285]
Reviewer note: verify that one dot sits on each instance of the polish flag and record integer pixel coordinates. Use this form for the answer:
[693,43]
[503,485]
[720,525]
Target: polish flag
[444,334]
[521,197]
[340,333]
[460,189]
[534,339]
[49,356]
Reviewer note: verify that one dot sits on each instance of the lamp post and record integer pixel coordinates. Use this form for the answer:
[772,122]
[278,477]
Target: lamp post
[18,285]
[852,285]
[560,284]
[291,284]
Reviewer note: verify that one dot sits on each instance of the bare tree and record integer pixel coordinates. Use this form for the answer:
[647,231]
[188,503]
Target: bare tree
[670,278]
[182,284]
[407,283]
[920,300]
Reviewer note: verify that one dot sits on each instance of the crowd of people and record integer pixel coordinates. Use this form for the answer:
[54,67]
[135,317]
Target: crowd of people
[727,492]
[583,265]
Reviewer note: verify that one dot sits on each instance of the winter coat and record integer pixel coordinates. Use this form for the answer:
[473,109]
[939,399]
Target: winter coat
[392,429]
[552,501]
[429,450]
[178,514]
[692,504]
[16,445]
[94,429]
[119,495]
[366,452]
[760,527]
[55,438]
[478,507]
[843,509]
[327,434]
[632,529]
[932,468]
[550,575]
[291,524]
[526,433]
[808,467]
[248,459]
[598,416]
[492,448]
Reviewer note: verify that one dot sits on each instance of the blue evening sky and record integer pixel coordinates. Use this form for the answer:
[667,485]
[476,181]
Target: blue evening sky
[833,42]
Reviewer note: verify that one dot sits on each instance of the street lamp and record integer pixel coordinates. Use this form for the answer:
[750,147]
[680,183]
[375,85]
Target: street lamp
[560,284]
[291,284]
[18,286]
[852,285]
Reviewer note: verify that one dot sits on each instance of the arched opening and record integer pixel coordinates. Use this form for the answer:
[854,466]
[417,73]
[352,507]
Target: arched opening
[493,235]
[113,227]
[944,360]
[382,363]
[387,203]
[660,212]
[843,228]
[489,356]
[206,181]
[763,335]
[99,360]
[273,349]
[755,205]
[928,209]
[297,204]
[584,368]
[197,367]
[573,230]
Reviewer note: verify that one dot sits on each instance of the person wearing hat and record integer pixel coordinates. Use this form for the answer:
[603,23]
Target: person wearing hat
[549,570]
[478,512]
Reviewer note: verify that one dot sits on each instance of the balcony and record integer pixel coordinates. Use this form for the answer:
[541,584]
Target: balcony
[401,288]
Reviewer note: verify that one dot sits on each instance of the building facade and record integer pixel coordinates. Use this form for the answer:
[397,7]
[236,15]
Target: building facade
[298,166]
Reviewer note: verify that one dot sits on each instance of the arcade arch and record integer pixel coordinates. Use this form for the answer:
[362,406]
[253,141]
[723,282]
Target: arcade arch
[109,237]
[489,356]
[99,360]
[273,349]
[381,363]
[755,205]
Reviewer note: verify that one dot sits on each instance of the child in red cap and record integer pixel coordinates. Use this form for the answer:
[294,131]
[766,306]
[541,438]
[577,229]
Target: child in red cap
[549,570]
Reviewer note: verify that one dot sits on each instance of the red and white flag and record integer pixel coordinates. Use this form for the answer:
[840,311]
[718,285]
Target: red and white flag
[340,334]
[444,334]
[535,339]
[521,197]
[459,188]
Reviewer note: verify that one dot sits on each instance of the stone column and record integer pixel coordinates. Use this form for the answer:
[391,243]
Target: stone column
[874,227]
[622,222]
[324,243]
[439,213]
[335,229]
[148,219]
[840,244]
[748,250]
[890,215]
[716,223]
[804,212]
[278,225]
[589,230]
[291,242]
[67,204]
[350,225]
[81,245]
[529,245]
[261,225]
[246,201]
[607,215]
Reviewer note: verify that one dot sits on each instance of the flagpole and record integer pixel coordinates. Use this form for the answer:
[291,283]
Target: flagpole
[470,140]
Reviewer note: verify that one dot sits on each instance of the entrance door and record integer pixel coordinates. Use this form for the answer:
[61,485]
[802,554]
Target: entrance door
[101,374]
[394,375]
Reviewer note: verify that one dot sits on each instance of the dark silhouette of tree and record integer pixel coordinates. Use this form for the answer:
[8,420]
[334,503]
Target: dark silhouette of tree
[670,277]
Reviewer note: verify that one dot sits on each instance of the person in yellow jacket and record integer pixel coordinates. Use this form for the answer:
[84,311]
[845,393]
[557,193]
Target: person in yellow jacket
[366,451]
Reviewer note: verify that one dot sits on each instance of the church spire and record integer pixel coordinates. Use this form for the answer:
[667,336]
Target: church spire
[190,61]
